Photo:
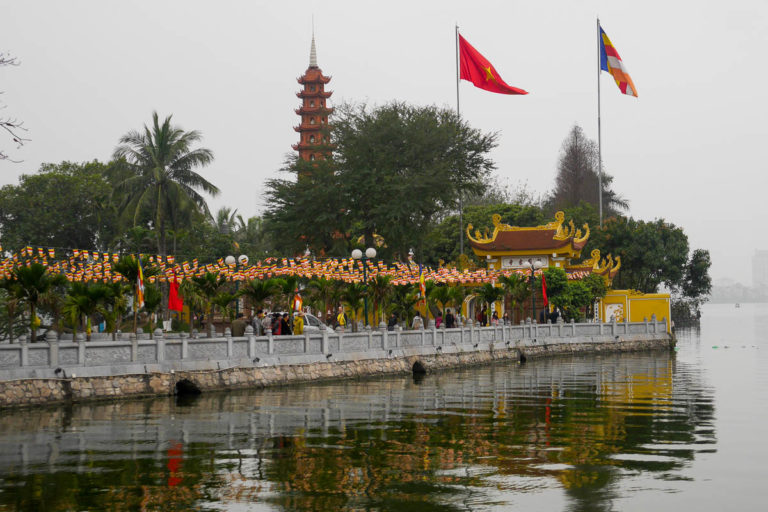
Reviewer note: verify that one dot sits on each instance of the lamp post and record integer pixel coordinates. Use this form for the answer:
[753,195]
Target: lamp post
[357,254]
[241,260]
[533,266]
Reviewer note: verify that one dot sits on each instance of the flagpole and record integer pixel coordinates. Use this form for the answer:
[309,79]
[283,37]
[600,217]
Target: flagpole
[599,148]
[458,113]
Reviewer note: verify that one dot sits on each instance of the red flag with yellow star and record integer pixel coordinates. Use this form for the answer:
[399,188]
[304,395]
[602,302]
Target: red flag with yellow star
[476,69]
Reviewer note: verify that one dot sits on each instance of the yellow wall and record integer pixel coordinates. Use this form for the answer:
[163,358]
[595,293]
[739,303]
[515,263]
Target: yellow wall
[636,306]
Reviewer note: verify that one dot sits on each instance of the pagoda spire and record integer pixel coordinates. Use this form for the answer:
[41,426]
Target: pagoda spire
[313,53]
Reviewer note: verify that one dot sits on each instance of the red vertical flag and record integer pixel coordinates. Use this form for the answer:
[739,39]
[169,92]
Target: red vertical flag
[476,69]
[544,290]
[175,301]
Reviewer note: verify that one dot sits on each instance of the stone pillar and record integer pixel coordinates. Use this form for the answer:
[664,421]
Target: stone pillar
[384,337]
[270,342]
[251,341]
[324,342]
[160,342]
[646,327]
[134,348]
[184,346]
[53,347]
[573,327]
[306,342]
[24,350]
[613,327]
[81,349]
[655,325]
[228,337]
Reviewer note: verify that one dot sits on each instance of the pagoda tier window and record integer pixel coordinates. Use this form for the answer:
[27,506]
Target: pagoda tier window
[312,88]
[312,139]
[312,103]
[311,120]
[311,157]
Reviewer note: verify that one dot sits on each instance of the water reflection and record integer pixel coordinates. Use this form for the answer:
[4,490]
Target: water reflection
[557,434]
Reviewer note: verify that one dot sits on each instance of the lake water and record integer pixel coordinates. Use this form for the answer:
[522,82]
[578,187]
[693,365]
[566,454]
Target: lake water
[683,430]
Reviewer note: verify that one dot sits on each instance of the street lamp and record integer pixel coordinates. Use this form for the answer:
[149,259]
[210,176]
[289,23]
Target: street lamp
[533,266]
[242,260]
[357,254]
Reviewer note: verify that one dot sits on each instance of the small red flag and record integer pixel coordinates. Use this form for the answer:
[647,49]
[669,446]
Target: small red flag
[544,289]
[175,301]
[476,69]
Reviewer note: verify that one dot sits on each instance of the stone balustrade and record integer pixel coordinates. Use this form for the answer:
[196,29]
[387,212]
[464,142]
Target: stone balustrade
[56,358]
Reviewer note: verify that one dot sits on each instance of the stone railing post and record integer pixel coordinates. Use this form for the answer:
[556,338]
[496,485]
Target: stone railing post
[134,347]
[324,341]
[184,345]
[270,342]
[306,342]
[81,348]
[228,338]
[24,350]
[613,327]
[654,323]
[251,341]
[384,337]
[53,347]
[160,342]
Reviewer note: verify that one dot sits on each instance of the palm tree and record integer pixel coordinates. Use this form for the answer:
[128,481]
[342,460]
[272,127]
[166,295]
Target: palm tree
[440,294]
[153,297]
[11,310]
[402,300]
[489,294]
[115,305]
[379,288]
[84,300]
[517,288]
[34,282]
[223,301]
[227,221]
[201,290]
[353,296]
[321,291]
[457,295]
[259,291]
[162,178]
[128,267]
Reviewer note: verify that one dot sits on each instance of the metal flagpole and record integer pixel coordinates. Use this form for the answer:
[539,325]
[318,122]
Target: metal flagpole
[599,149]
[458,113]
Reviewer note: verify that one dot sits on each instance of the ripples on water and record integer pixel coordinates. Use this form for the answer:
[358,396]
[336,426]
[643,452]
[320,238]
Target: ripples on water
[616,432]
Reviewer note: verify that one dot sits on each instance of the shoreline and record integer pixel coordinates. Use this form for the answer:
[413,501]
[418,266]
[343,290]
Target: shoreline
[115,383]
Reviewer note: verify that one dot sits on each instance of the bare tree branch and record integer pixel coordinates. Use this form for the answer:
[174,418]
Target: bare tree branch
[11,125]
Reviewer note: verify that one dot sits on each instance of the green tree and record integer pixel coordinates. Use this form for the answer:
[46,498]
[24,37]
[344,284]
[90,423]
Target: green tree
[62,205]
[83,301]
[259,291]
[115,306]
[379,288]
[517,289]
[34,283]
[353,295]
[200,291]
[394,169]
[153,298]
[440,295]
[402,300]
[162,163]
[322,293]
[652,253]
[11,311]
[128,267]
[489,294]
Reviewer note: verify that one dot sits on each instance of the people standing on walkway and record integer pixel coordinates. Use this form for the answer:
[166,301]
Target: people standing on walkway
[341,319]
[285,326]
[505,318]
[450,320]
[495,318]
[438,320]
[392,322]
[417,323]
[298,323]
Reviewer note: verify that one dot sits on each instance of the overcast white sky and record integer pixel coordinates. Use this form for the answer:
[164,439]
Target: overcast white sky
[690,149]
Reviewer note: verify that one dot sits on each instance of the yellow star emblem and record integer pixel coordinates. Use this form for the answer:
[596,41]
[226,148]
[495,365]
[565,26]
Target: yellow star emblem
[489,74]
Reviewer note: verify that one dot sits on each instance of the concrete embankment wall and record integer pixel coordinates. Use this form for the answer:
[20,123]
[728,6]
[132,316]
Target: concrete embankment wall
[101,370]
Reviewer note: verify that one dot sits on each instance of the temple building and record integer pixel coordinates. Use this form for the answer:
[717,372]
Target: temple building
[314,141]
[557,244]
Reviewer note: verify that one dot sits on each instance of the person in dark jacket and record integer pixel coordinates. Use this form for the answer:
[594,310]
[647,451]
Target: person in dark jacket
[285,325]
[392,322]
[450,320]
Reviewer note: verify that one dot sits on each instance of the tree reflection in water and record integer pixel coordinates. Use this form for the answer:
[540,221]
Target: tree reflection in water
[565,431]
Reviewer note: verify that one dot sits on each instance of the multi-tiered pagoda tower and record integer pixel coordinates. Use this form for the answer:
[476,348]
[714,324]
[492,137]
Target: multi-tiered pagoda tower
[314,139]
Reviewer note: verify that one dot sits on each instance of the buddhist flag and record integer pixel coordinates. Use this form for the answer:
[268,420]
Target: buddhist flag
[544,290]
[611,62]
[175,301]
[476,69]
[140,287]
